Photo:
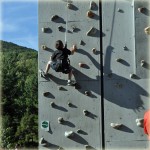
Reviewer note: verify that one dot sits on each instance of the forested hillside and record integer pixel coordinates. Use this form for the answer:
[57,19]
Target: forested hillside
[19,100]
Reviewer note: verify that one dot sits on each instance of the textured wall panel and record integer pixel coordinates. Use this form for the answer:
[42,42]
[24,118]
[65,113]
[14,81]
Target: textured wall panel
[142,40]
[125,98]
[87,77]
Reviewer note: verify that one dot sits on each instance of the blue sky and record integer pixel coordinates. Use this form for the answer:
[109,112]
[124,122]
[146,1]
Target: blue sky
[19,22]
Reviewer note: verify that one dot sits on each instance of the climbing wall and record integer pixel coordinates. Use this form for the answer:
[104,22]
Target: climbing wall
[70,116]
[110,66]
[126,72]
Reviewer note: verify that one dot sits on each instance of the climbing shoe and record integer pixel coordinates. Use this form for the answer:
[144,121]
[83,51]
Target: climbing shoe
[71,83]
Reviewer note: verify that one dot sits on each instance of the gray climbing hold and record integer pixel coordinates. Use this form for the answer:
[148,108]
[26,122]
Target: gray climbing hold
[52,104]
[115,125]
[73,28]
[69,134]
[60,120]
[92,5]
[87,93]
[55,17]
[139,122]
[119,10]
[69,5]
[69,104]
[42,141]
[79,131]
[82,42]
[118,59]
[46,93]
[60,88]
[132,75]
[45,30]
[143,63]
[60,28]
[92,31]
[94,50]
[85,112]
[125,48]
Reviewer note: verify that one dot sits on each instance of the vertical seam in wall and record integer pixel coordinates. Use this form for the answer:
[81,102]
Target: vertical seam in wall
[102,79]
[134,61]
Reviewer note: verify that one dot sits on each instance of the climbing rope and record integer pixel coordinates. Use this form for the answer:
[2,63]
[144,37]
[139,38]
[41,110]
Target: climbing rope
[66,25]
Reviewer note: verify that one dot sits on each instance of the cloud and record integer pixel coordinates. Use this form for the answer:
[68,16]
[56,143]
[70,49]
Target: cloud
[7,27]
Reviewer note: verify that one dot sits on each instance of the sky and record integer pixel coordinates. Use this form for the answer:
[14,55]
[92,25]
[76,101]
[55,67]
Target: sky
[19,22]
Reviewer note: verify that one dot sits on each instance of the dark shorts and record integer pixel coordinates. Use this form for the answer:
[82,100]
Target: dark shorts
[66,67]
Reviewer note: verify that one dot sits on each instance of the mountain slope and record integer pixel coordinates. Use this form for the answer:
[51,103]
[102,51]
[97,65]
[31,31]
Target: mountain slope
[19,96]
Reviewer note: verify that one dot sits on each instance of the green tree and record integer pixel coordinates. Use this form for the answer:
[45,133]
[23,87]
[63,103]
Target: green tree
[19,96]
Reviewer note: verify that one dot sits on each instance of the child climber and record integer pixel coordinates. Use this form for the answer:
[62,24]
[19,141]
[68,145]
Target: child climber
[59,61]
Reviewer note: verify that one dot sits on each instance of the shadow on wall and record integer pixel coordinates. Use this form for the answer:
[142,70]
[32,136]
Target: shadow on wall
[83,52]
[121,91]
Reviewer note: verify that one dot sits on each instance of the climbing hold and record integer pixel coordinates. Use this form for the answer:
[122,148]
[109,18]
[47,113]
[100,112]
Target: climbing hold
[87,93]
[132,75]
[79,131]
[60,88]
[81,64]
[88,147]
[69,134]
[46,93]
[60,28]
[60,120]
[69,5]
[52,104]
[94,50]
[143,63]
[147,30]
[44,47]
[139,122]
[141,9]
[90,14]
[73,28]
[42,141]
[91,32]
[115,125]
[55,17]
[82,42]
[125,48]
[119,10]
[85,112]
[118,59]
[44,30]
[69,104]
[92,5]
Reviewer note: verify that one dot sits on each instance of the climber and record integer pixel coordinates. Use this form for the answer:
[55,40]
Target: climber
[145,123]
[59,61]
